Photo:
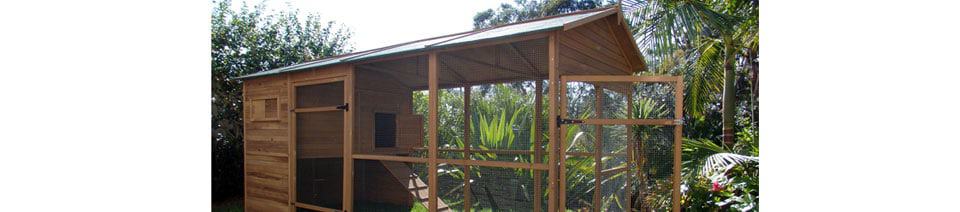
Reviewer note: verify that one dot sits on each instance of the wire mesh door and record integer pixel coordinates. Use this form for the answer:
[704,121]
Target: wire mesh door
[621,143]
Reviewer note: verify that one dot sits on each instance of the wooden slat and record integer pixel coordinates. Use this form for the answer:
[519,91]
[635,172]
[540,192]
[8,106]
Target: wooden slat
[316,109]
[484,151]
[313,207]
[490,163]
[390,158]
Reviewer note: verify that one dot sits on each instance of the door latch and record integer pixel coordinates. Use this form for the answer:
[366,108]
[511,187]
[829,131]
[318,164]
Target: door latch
[344,106]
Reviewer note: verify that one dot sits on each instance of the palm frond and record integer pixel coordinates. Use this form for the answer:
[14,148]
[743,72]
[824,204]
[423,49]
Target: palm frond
[722,162]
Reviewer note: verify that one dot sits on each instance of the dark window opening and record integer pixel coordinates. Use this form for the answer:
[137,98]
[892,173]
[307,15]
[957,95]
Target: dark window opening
[385,130]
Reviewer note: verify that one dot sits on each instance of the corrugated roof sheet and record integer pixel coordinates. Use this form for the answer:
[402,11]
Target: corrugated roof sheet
[536,25]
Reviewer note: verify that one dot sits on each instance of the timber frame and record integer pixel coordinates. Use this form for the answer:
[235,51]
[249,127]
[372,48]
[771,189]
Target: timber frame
[596,48]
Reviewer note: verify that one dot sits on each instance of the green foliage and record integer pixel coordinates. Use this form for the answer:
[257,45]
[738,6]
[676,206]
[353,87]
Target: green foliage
[522,10]
[717,177]
[248,41]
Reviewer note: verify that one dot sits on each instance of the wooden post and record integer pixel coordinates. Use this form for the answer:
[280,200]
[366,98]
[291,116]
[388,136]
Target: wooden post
[630,150]
[677,141]
[466,149]
[433,84]
[348,142]
[597,148]
[552,128]
[292,146]
[537,143]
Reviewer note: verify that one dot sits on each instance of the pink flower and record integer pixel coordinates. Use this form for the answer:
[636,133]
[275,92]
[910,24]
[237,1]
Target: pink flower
[716,187]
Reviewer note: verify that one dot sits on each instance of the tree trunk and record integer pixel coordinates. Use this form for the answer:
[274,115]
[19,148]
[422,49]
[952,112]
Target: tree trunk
[729,91]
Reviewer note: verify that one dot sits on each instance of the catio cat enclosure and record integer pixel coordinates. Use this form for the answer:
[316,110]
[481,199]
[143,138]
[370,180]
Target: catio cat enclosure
[469,121]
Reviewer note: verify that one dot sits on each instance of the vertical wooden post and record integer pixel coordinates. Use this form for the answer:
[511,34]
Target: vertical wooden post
[292,146]
[631,148]
[677,141]
[552,128]
[466,149]
[433,84]
[348,142]
[597,148]
[537,152]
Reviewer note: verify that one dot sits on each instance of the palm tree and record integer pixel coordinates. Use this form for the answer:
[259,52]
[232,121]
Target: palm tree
[704,40]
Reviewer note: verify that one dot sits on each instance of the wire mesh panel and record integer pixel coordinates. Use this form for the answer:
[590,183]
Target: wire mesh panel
[452,181]
[656,161]
[579,179]
[653,101]
[502,189]
[389,186]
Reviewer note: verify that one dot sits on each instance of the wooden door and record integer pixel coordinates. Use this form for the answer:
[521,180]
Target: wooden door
[319,135]
[621,138]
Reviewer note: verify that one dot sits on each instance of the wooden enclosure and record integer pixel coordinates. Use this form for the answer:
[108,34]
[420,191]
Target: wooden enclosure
[345,132]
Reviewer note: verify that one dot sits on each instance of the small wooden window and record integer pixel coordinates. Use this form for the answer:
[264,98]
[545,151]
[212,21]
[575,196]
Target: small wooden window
[385,130]
[265,110]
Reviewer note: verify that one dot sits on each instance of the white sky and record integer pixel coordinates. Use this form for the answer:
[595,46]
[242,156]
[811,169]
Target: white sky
[378,23]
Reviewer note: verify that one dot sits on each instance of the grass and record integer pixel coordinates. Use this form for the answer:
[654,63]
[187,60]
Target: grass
[234,205]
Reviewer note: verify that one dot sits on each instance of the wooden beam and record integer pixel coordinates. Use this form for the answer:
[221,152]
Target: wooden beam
[629,121]
[492,163]
[312,207]
[620,78]
[555,142]
[433,84]
[484,151]
[315,109]
[620,44]
[291,147]
[348,95]
[390,158]
[677,142]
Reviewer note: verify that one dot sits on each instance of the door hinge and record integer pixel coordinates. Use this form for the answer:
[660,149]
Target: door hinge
[344,106]
[562,121]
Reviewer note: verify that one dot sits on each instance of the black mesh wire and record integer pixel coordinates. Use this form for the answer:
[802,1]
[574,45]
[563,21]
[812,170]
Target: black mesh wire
[579,179]
[655,160]
[502,189]
[388,186]
[653,101]
[451,186]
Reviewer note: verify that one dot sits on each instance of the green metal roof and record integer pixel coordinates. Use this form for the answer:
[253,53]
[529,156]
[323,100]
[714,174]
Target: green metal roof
[527,27]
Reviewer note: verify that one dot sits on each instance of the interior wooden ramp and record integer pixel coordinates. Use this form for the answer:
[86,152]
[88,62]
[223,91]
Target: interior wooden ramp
[410,180]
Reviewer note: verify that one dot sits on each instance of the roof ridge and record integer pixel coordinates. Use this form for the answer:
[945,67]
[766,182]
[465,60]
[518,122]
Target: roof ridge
[349,56]
[374,50]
